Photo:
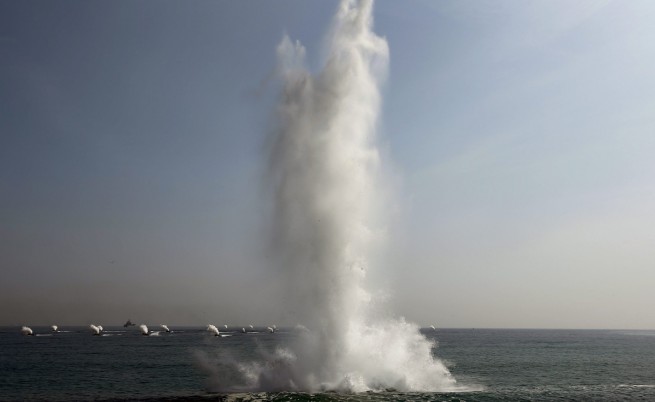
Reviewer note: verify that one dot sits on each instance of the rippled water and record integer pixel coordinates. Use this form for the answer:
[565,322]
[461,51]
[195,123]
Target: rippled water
[494,364]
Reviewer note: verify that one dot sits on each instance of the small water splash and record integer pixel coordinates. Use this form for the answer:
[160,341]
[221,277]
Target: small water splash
[213,330]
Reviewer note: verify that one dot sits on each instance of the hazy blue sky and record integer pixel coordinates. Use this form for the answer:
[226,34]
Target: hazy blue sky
[519,137]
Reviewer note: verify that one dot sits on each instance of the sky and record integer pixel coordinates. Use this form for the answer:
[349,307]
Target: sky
[517,136]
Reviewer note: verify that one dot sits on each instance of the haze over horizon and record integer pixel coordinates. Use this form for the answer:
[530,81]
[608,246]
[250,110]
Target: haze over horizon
[518,148]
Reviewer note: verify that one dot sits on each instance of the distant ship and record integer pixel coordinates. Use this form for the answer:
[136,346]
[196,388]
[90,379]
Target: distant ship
[128,324]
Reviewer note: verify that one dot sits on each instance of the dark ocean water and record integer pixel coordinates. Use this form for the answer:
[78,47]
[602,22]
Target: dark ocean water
[495,364]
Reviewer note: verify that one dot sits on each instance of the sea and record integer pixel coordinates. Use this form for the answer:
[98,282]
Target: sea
[490,364]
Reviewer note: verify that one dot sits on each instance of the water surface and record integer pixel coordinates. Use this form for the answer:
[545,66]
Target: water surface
[492,364]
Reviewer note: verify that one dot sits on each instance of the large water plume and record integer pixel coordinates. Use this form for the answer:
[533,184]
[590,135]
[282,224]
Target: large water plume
[324,167]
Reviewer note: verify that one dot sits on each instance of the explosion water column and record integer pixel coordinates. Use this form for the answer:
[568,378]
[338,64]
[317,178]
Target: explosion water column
[324,169]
